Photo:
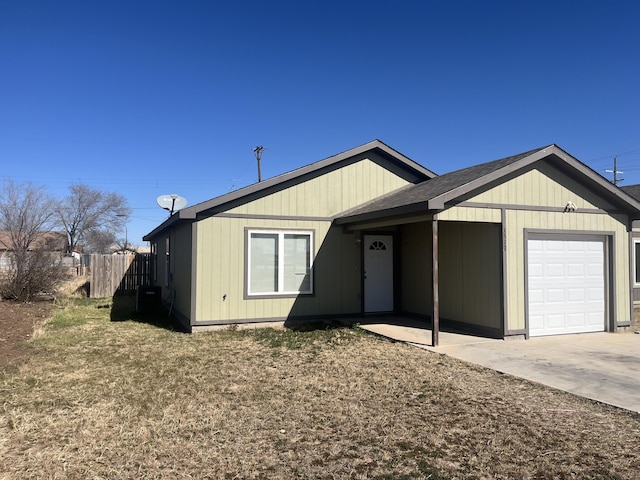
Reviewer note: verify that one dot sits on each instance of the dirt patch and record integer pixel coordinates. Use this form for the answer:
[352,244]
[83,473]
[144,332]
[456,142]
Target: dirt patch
[17,324]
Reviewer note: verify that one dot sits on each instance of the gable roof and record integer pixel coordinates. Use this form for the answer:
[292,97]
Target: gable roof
[433,195]
[633,190]
[52,241]
[375,150]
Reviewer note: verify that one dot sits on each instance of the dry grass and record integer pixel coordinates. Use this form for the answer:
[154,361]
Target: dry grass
[127,399]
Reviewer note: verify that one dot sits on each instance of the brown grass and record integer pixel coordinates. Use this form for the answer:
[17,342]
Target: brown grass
[126,399]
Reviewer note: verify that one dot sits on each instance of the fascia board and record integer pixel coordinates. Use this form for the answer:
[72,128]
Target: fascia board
[192,212]
[413,208]
[438,203]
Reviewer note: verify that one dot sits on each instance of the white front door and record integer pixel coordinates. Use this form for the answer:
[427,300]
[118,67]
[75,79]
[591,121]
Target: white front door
[566,284]
[378,273]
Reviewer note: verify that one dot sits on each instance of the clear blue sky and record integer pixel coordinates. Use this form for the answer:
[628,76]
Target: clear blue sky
[155,97]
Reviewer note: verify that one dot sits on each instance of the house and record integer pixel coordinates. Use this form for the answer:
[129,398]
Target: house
[52,243]
[532,244]
[634,191]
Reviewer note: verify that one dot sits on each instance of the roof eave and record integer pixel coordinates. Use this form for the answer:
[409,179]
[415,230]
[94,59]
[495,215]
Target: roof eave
[619,196]
[420,207]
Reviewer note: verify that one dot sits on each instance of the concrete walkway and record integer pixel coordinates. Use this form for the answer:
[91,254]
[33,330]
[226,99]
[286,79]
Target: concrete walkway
[600,366]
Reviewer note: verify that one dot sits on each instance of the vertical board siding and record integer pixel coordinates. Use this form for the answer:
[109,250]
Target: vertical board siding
[470,273]
[220,277]
[545,186]
[181,266]
[345,188]
[542,186]
[471,214]
[518,221]
[220,287]
[415,269]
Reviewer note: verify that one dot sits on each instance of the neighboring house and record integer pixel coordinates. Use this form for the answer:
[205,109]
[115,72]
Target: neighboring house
[634,191]
[52,242]
[533,244]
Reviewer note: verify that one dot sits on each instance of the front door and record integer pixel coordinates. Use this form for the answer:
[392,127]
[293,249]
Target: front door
[378,273]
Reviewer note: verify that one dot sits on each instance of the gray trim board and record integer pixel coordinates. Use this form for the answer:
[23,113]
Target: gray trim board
[376,150]
[245,266]
[441,192]
[273,217]
[194,270]
[505,290]
[608,238]
[534,208]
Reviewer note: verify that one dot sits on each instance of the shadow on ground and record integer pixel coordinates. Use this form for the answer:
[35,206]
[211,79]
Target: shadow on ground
[123,309]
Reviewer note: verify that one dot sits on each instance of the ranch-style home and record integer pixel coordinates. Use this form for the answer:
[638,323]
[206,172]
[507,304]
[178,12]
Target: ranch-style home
[532,244]
[634,191]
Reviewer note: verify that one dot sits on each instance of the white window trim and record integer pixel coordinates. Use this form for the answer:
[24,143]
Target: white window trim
[636,282]
[167,261]
[281,233]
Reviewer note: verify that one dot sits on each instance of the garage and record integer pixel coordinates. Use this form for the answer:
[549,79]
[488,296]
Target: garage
[566,277]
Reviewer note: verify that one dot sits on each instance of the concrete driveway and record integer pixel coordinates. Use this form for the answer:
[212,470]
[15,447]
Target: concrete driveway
[600,366]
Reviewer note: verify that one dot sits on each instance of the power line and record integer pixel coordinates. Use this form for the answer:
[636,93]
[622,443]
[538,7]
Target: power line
[615,172]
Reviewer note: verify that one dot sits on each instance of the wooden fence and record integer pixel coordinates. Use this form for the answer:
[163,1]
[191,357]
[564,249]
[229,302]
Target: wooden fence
[119,274]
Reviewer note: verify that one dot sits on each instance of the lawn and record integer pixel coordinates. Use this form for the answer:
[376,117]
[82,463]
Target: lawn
[105,394]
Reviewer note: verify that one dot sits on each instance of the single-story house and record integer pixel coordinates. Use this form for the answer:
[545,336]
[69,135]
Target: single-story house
[52,243]
[532,244]
[634,191]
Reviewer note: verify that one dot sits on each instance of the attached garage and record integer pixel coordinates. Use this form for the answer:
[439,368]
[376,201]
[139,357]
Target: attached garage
[566,278]
[528,245]
[532,244]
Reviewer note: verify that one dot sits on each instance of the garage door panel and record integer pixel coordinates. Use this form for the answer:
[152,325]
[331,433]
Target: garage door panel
[566,285]
[555,270]
[555,295]
[536,296]
[576,319]
[576,270]
[576,294]
[595,295]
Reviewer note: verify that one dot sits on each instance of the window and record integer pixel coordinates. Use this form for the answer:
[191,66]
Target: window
[279,262]
[167,256]
[154,266]
[636,261]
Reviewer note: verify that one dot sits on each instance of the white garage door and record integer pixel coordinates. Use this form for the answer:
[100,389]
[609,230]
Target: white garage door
[566,285]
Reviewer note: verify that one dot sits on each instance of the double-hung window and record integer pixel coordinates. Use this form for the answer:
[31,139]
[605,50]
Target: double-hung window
[167,262]
[636,261]
[279,262]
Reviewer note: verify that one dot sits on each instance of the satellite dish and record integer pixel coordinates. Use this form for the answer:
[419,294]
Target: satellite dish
[172,202]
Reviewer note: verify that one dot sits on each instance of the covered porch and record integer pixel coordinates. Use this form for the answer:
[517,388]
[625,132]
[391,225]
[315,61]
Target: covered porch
[444,277]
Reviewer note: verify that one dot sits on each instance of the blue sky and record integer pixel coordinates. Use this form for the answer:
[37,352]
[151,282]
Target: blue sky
[147,98]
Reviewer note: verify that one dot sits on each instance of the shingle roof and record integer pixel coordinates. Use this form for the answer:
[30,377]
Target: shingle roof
[423,192]
[392,159]
[432,194]
[633,190]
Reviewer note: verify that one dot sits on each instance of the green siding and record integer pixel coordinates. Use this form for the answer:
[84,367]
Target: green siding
[220,279]
[415,269]
[543,186]
[221,243]
[329,194]
[470,273]
[178,293]
[518,221]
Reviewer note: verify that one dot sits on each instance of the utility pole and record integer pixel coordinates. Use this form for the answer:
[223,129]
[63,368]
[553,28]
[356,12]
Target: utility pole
[615,172]
[258,152]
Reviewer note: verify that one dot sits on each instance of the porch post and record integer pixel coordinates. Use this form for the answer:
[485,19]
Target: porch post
[435,327]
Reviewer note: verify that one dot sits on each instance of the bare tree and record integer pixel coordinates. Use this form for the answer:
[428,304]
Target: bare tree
[88,213]
[98,241]
[26,216]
